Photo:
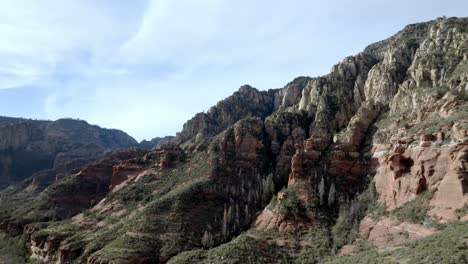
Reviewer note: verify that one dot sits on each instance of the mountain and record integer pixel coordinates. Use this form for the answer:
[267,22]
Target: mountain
[50,149]
[367,164]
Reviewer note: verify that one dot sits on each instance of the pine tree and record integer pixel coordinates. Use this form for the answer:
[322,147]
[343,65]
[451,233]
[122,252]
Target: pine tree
[331,194]
[322,190]
[207,239]
[354,210]
[268,188]
[225,221]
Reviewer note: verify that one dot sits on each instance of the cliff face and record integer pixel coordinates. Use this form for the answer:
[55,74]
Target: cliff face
[398,110]
[29,146]
[384,133]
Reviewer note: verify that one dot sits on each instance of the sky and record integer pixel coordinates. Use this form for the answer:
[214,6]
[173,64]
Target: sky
[147,66]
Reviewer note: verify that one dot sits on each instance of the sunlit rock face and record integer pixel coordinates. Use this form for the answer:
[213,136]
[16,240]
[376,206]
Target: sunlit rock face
[399,111]
[425,165]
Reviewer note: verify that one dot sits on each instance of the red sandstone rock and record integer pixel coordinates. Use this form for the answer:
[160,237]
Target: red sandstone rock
[400,177]
[123,172]
[268,220]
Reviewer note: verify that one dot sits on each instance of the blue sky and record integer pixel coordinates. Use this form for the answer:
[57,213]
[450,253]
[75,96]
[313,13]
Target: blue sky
[147,66]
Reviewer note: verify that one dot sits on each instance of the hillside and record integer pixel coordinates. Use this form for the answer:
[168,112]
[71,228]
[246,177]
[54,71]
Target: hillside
[367,164]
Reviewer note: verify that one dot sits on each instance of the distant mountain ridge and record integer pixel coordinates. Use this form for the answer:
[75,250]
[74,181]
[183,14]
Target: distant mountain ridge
[28,146]
[155,142]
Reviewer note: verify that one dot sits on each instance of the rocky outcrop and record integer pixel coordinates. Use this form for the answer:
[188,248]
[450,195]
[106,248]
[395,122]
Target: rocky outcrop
[404,173]
[246,102]
[43,250]
[167,156]
[93,182]
[274,220]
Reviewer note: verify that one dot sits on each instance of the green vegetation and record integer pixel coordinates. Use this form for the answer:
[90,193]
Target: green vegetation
[461,69]
[414,211]
[268,188]
[447,246]
[333,232]
[128,248]
[55,203]
[346,227]
[159,197]
[26,207]
[243,249]
[62,229]
[386,126]
[365,257]
[369,204]
[290,204]
[12,250]
[436,123]
[167,199]
[153,186]
[320,245]
[462,96]
[461,212]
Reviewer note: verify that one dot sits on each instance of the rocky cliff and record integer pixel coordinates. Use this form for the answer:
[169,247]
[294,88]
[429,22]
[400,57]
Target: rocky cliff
[374,151]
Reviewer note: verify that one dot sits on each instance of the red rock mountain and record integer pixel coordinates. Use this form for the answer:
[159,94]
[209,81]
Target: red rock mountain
[372,155]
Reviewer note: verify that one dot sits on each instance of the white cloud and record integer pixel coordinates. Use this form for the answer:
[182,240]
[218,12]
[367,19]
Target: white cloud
[146,66]
[42,38]
[171,29]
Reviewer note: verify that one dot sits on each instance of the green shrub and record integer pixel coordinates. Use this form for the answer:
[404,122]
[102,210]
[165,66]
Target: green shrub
[243,249]
[462,211]
[320,245]
[12,249]
[414,211]
[291,203]
[447,246]
[365,257]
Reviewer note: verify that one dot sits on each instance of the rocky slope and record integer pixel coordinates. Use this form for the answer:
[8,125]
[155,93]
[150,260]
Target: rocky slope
[374,151]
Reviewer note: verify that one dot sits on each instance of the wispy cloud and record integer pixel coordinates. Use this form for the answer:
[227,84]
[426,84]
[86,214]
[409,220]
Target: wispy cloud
[146,66]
